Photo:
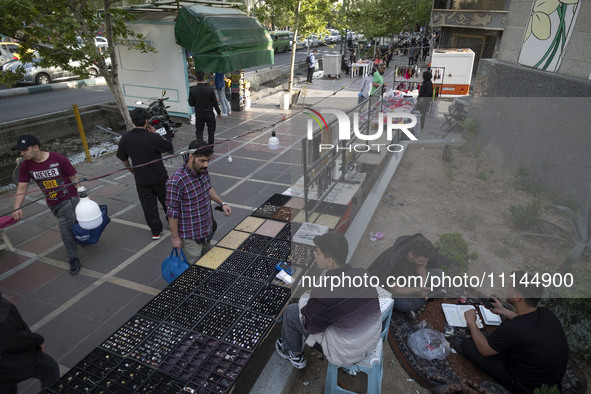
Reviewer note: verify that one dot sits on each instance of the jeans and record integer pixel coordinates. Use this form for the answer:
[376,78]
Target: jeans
[47,371]
[409,304]
[200,121]
[221,93]
[66,214]
[292,330]
[149,196]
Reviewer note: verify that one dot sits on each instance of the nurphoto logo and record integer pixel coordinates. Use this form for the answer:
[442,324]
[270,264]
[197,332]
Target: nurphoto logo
[344,131]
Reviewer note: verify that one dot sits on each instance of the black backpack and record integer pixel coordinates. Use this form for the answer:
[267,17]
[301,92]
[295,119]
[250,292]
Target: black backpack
[308,60]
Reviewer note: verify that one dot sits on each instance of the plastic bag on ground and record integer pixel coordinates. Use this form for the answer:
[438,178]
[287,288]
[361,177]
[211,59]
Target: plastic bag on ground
[429,344]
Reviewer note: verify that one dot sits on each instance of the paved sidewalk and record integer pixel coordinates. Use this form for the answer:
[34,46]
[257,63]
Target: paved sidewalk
[122,272]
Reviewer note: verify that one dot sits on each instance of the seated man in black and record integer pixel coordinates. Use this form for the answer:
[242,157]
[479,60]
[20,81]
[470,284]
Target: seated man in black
[411,255]
[527,350]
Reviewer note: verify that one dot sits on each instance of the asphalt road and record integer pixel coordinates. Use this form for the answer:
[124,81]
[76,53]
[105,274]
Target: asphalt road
[31,105]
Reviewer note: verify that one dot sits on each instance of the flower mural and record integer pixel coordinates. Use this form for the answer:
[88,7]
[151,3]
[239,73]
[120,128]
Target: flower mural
[548,30]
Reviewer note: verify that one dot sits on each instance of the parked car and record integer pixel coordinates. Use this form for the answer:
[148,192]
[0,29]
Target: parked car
[12,47]
[99,41]
[335,36]
[38,75]
[6,56]
[312,41]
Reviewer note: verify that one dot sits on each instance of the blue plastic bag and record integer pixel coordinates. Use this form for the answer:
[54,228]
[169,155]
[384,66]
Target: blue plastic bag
[174,265]
[88,237]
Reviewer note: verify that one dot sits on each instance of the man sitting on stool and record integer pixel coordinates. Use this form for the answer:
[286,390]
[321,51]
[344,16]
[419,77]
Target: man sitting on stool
[344,320]
[528,349]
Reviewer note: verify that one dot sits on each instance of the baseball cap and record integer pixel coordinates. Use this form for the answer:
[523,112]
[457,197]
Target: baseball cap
[24,141]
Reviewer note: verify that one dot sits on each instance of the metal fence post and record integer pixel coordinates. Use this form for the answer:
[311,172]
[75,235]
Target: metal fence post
[81,131]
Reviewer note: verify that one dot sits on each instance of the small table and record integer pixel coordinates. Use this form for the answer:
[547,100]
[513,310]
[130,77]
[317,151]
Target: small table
[364,69]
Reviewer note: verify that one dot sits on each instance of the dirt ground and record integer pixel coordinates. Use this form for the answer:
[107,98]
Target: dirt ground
[469,196]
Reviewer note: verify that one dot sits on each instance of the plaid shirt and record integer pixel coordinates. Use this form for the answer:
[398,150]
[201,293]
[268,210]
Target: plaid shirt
[187,199]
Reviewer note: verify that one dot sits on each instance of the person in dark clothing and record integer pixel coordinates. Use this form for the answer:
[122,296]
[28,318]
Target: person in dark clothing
[203,99]
[425,48]
[425,97]
[411,255]
[143,145]
[529,348]
[22,353]
[344,320]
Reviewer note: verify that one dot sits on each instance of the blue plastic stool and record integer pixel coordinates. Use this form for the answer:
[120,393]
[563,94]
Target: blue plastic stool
[372,365]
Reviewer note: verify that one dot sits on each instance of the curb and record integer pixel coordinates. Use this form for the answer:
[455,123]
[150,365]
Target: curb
[99,81]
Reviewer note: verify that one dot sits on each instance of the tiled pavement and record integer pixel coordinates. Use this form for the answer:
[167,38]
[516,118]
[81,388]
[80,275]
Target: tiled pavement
[122,272]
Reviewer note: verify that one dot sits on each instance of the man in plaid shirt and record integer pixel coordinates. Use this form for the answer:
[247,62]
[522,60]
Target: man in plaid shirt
[188,198]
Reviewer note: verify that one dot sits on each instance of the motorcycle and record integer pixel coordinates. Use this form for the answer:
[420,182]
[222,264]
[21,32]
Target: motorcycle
[160,119]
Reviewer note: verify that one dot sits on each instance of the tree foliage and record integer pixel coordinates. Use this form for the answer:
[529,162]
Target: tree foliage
[375,18]
[59,31]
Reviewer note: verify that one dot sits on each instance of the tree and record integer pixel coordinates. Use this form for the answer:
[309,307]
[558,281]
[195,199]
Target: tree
[305,16]
[375,18]
[64,30]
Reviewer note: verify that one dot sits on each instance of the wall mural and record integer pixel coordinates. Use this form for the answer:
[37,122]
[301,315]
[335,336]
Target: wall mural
[550,25]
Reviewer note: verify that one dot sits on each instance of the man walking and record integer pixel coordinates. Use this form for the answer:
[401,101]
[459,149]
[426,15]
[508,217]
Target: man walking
[202,97]
[55,176]
[188,196]
[311,65]
[23,352]
[145,147]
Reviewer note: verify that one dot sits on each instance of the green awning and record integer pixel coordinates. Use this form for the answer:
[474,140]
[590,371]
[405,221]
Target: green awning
[222,39]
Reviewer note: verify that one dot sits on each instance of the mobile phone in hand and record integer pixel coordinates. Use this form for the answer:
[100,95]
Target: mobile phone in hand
[487,302]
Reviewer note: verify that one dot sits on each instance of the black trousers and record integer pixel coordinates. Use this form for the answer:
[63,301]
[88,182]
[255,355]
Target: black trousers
[47,371]
[200,121]
[310,74]
[496,366]
[149,196]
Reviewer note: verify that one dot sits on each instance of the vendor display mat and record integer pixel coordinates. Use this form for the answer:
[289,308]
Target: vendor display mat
[454,371]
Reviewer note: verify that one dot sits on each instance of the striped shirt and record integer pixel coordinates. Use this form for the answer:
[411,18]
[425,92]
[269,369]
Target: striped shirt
[187,199]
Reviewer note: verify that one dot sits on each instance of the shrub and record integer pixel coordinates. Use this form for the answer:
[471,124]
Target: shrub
[526,216]
[575,316]
[524,180]
[453,246]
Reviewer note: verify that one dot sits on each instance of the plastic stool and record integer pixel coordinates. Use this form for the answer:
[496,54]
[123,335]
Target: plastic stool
[372,365]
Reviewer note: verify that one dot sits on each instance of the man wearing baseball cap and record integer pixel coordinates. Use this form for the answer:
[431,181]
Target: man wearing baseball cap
[55,176]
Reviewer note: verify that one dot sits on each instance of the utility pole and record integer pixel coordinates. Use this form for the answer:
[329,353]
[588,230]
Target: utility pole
[293,48]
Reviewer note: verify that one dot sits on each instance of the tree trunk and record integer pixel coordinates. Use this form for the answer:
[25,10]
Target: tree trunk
[112,78]
[293,49]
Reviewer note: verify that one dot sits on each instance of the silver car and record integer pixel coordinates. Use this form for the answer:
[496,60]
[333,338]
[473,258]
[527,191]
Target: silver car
[37,75]
[6,56]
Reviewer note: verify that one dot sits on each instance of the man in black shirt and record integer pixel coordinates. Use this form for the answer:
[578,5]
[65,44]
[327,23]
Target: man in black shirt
[22,352]
[528,349]
[143,145]
[203,98]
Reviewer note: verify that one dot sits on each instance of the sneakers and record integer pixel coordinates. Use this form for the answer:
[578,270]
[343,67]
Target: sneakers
[298,361]
[74,266]
[157,237]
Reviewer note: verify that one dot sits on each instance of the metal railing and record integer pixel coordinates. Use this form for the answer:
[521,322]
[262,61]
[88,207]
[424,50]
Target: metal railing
[320,165]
